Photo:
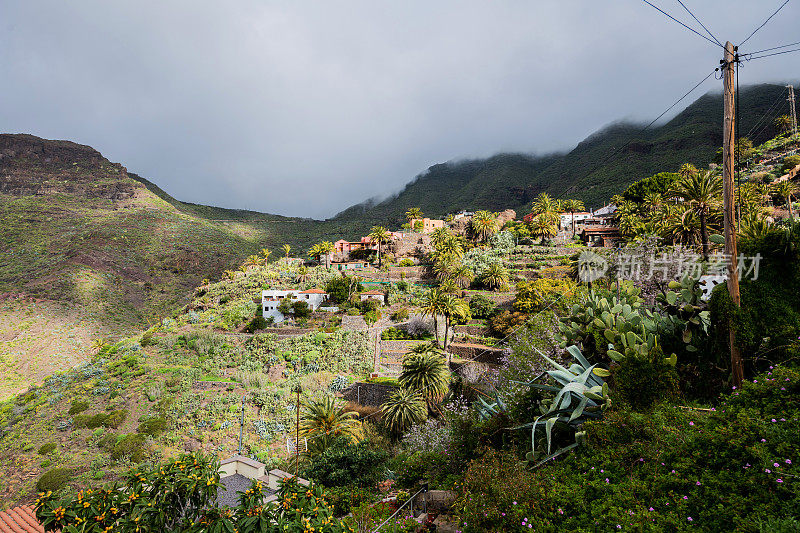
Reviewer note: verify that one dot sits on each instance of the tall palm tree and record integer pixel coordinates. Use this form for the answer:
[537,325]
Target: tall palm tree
[402,410]
[320,418]
[413,213]
[572,205]
[286,250]
[433,305]
[315,252]
[543,227]
[427,374]
[495,276]
[786,189]
[683,228]
[545,206]
[653,202]
[484,225]
[265,253]
[326,248]
[380,235]
[701,191]
[452,308]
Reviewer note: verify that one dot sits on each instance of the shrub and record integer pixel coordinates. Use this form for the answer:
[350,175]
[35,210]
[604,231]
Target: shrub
[482,307]
[402,286]
[259,322]
[534,295]
[301,309]
[107,441]
[401,315]
[112,419]
[641,383]
[341,288]
[78,406]
[406,262]
[343,463]
[116,418]
[790,162]
[47,448]
[342,499]
[54,480]
[152,426]
[130,446]
[506,322]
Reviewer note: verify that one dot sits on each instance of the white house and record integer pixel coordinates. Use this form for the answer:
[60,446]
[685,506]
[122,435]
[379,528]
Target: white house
[566,218]
[378,296]
[271,299]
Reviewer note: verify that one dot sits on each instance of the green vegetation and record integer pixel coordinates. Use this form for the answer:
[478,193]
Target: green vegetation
[54,480]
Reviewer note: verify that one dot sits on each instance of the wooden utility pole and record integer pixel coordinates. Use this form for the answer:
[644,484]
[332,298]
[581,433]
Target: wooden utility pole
[729,205]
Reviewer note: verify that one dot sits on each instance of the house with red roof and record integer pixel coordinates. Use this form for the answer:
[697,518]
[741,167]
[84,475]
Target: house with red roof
[20,520]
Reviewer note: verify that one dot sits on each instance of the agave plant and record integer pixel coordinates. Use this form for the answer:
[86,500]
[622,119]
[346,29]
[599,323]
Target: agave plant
[581,394]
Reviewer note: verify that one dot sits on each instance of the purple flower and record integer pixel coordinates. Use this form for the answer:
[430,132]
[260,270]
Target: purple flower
[776,465]
[689,518]
[685,497]
[698,483]
[691,423]
[606,480]
[774,420]
[767,470]
[652,509]
[788,461]
[763,440]
[779,480]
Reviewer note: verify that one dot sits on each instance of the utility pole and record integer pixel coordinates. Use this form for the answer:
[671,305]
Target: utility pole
[791,106]
[728,154]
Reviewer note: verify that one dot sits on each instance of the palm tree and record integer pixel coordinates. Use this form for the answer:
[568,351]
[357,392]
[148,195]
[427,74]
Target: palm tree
[321,419]
[683,228]
[380,235]
[462,276]
[449,286]
[250,262]
[543,227]
[754,227]
[438,235]
[495,276]
[452,308]
[546,207]
[302,274]
[265,253]
[286,250]
[449,249]
[701,191]
[572,205]
[653,202]
[326,248]
[484,225]
[427,374]
[783,123]
[315,252]
[433,305]
[444,267]
[402,410]
[413,213]
[785,190]
[687,170]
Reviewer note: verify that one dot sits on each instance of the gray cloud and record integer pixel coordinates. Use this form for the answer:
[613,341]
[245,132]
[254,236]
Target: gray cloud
[304,108]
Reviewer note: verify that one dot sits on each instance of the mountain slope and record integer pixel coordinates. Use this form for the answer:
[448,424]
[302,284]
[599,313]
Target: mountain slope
[593,171]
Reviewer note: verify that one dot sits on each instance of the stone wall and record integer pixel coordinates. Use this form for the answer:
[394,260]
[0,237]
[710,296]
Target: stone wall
[364,393]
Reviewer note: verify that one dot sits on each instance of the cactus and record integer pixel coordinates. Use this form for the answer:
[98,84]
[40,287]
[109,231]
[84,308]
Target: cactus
[686,313]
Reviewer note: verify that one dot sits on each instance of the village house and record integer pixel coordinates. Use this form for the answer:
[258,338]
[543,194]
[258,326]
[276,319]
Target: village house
[600,235]
[271,300]
[343,248]
[566,218]
[378,296]
[428,224]
[349,265]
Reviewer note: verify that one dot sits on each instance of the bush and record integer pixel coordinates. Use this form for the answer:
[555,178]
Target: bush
[130,446]
[790,162]
[641,383]
[300,309]
[107,442]
[342,499]
[341,288]
[47,448]
[259,322]
[506,322]
[402,286]
[534,295]
[116,418]
[152,426]
[401,315]
[482,307]
[78,406]
[406,262]
[54,479]
[344,463]
[112,419]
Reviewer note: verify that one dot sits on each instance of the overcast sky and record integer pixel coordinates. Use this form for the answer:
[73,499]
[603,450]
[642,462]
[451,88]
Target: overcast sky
[305,108]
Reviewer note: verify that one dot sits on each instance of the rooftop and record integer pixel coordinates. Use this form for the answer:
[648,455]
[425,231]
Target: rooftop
[313,291]
[20,520]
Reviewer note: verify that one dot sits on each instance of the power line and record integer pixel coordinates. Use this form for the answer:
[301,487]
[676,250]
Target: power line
[764,23]
[776,53]
[773,48]
[775,103]
[682,24]
[698,21]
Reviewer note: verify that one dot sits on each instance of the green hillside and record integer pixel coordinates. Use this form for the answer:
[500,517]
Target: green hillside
[589,171]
